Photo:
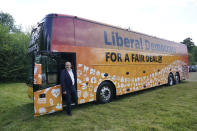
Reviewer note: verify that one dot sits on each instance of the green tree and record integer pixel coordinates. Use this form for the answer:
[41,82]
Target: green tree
[194,53]
[4,34]
[13,57]
[189,43]
[5,40]
[191,59]
[8,21]
[13,53]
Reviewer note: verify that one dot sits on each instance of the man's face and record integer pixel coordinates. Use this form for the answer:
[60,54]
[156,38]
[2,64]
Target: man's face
[68,65]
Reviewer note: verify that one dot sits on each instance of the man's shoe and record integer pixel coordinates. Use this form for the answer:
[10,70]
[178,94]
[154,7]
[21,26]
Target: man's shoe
[69,114]
[72,104]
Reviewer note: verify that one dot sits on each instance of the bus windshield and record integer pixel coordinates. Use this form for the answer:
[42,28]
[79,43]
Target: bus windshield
[36,39]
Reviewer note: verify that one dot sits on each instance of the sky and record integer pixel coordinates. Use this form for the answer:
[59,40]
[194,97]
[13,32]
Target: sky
[173,20]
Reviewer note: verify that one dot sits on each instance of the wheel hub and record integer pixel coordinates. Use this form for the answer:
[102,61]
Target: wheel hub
[105,93]
[171,81]
[177,79]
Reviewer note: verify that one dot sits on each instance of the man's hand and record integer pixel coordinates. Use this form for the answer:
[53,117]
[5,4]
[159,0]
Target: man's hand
[64,92]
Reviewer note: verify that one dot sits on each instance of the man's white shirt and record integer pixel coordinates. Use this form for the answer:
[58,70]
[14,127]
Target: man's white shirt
[71,76]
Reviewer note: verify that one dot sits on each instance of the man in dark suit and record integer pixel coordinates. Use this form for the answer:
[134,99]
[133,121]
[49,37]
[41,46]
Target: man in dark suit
[68,89]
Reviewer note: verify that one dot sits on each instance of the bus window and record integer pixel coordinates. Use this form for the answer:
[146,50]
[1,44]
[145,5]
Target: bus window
[42,60]
[49,70]
[52,71]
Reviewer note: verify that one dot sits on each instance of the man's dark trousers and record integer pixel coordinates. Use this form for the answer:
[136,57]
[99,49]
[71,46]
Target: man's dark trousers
[71,96]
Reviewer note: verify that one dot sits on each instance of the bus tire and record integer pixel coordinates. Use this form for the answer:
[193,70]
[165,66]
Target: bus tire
[104,93]
[177,78]
[170,80]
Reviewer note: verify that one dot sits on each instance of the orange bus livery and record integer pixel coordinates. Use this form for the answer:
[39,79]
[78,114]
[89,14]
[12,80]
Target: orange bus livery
[107,61]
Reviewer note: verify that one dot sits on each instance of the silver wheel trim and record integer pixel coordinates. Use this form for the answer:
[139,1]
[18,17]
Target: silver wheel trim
[105,93]
[171,80]
[177,79]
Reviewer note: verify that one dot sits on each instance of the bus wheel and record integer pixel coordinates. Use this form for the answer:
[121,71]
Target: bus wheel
[104,93]
[177,78]
[170,79]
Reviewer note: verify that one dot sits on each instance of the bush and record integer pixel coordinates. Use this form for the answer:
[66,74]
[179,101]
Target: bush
[13,55]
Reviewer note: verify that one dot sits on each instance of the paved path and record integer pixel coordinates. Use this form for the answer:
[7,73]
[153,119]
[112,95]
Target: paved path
[192,76]
[192,80]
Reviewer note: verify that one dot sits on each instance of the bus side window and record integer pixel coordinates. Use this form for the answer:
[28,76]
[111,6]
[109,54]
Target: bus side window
[52,71]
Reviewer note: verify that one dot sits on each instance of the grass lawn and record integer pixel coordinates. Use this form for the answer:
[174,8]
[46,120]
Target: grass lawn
[160,108]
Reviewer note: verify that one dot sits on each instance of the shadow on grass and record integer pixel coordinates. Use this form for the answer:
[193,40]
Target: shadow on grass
[133,94]
[16,113]
[22,110]
[25,112]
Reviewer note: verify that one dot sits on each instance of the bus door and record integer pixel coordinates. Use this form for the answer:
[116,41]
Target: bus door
[46,90]
[62,58]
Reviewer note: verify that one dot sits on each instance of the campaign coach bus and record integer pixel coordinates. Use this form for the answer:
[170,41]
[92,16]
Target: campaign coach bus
[107,61]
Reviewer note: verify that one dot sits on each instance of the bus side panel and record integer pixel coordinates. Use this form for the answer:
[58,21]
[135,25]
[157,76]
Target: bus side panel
[99,49]
[92,64]
[48,100]
[85,83]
